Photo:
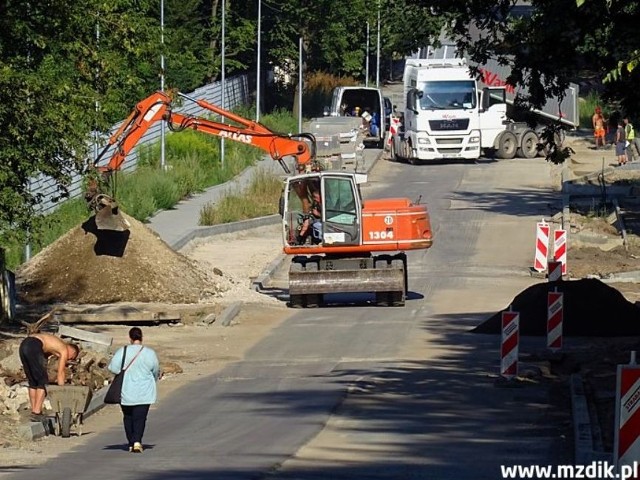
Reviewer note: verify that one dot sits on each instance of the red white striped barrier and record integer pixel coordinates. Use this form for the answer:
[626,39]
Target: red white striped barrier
[555,271]
[509,345]
[555,304]
[560,248]
[542,246]
[393,128]
[626,448]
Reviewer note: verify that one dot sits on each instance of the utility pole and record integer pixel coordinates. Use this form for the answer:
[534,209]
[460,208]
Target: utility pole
[300,86]
[366,74]
[378,51]
[163,165]
[224,7]
[259,75]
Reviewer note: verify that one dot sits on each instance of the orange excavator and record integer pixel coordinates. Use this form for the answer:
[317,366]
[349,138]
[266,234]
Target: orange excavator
[339,242]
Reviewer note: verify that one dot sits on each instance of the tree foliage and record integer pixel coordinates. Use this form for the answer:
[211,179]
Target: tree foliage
[68,69]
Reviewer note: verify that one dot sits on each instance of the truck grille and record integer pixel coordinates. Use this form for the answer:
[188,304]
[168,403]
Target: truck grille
[449,145]
[455,124]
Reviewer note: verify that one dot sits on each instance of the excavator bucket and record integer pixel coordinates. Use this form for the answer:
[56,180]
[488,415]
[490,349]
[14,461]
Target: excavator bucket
[108,216]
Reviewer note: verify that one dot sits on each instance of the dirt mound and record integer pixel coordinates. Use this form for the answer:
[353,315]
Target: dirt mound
[591,309]
[88,266]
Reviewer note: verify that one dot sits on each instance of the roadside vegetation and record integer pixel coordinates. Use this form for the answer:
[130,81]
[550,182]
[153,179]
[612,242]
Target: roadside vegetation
[261,198]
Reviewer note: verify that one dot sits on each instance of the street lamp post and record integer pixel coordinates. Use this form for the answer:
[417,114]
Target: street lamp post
[300,85]
[162,149]
[222,82]
[378,51]
[366,74]
[258,67]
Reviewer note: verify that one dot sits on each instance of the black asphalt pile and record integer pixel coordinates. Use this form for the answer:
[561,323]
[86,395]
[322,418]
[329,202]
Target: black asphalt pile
[591,309]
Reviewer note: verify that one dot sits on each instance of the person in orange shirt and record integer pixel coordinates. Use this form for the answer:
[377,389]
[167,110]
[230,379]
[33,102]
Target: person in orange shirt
[599,131]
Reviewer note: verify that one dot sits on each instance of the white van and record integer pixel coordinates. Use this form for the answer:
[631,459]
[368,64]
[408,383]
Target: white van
[367,103]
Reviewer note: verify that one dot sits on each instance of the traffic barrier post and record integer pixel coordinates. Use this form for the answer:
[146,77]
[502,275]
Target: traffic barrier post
[560,248]
[542,246]
[509,344]
[555,306]
[626,442]
[555,271]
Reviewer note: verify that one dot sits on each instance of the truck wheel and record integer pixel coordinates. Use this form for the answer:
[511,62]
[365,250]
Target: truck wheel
[507,145]
[528,145]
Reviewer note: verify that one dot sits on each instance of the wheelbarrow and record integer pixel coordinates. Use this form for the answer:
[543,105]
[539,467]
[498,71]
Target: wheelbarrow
[69,403]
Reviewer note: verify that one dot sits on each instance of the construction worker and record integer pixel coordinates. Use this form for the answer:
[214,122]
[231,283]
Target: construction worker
[34,352]
[633,149]
[599,131]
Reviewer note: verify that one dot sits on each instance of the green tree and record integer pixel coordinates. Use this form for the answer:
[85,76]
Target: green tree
[58,61]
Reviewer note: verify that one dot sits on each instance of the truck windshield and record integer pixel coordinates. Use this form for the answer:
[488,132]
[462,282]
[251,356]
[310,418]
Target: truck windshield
[447,95]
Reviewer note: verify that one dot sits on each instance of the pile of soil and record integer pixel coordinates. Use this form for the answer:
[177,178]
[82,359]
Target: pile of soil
[590,309]
[91,266]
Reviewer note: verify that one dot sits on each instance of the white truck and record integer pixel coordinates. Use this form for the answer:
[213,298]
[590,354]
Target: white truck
[449,114]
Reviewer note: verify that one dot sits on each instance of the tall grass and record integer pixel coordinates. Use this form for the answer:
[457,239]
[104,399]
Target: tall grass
[588,106]
[260,199]
[192,164]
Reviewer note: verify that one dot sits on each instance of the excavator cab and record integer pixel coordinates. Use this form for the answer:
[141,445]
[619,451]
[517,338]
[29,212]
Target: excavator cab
[322,210]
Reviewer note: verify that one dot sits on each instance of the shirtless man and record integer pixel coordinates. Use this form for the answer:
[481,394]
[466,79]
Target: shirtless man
[598,128]
[34,352]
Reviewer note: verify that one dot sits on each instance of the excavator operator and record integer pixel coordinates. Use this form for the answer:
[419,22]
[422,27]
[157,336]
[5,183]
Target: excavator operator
[311,220]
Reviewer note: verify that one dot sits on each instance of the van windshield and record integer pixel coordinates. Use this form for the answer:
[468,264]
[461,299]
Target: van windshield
[447,95]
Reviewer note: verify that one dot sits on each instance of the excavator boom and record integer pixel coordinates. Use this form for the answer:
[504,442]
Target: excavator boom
[159,107]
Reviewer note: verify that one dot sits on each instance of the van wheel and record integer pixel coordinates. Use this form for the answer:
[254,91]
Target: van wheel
[528,145]
[507,145]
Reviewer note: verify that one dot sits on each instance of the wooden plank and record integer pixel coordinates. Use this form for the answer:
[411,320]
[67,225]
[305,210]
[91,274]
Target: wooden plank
[92,337]
[116,317]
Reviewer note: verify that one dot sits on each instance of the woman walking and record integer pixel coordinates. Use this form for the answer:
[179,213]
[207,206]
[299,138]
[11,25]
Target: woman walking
[138,387]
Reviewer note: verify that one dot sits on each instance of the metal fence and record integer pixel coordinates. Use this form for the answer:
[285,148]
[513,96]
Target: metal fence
[237,92]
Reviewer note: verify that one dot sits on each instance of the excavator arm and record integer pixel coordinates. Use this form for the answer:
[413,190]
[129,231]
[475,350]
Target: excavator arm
[158,107]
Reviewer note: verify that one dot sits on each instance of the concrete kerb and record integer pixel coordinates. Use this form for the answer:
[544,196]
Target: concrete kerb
[210,231]
[587,441]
